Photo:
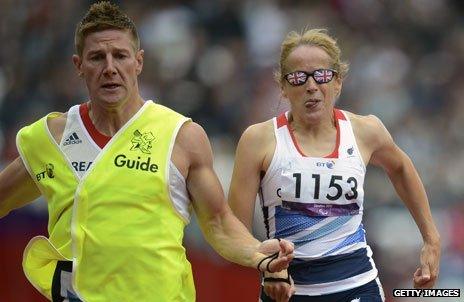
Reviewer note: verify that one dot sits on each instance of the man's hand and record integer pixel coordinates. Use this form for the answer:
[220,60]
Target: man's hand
[283,251]
[426,275]
[280,291]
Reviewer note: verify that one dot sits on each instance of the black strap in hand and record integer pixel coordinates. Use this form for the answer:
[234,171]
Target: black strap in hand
[272,257]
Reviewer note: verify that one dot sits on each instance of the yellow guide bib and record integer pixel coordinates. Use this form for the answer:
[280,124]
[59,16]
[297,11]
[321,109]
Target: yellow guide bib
[118,223]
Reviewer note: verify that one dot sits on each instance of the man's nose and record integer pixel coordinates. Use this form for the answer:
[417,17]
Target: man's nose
[110,68]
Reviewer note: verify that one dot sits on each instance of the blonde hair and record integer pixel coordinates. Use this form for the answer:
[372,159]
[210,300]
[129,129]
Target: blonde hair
[100,16]
[313,37]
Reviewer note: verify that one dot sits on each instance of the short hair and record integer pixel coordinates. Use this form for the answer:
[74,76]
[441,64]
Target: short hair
[101,16]
[314,37]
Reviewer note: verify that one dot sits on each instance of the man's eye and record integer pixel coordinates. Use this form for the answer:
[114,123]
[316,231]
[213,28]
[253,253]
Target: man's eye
[96,57]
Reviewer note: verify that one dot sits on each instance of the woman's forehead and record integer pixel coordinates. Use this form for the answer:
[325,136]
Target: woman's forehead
[308,56]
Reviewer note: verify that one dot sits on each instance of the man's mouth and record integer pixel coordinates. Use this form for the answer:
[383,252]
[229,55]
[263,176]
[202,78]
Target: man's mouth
[110,86]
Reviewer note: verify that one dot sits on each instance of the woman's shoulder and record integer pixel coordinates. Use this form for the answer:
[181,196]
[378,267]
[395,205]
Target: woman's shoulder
[360,119]
[266,126]
[258,135]
[368,128]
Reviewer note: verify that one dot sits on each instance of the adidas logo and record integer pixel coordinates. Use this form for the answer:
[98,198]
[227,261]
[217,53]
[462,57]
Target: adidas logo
[73,139]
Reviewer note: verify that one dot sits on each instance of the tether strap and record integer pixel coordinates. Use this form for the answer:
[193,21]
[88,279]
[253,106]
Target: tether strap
[273,279]
[272,257]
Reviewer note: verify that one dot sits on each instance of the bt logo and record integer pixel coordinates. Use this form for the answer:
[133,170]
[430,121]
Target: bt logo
[49,172]
[329,164]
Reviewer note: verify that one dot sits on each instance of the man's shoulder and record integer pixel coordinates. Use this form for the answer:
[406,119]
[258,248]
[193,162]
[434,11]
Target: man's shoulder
[35,132]
[191,148]
[190,133]
[57,119]
[56,123]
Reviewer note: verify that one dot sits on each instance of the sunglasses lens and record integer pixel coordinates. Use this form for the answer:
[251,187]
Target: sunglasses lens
[296,78]
[322,76]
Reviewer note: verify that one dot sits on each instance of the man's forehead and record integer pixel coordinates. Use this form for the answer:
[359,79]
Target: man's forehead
[109,38]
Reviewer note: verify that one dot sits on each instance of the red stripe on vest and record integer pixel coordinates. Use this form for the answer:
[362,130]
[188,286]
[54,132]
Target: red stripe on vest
[100,139]
[338,115]
[281,120]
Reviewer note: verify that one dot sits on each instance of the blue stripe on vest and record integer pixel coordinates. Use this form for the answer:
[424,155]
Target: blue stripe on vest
[291,222]
[356,237]
[331,268]
[322,231]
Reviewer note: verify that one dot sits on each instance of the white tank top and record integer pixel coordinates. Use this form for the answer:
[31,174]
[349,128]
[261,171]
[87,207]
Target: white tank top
[317,203]
[81,150]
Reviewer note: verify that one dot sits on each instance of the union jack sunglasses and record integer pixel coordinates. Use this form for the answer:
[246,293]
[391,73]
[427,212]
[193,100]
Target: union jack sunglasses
[320,76]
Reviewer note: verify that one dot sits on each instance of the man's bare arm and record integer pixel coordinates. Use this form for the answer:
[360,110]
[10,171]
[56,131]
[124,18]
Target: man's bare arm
[249,162]
[226,234]
[16,187]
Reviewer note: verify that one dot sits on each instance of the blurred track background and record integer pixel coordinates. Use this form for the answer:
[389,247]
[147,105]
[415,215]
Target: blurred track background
[214,61]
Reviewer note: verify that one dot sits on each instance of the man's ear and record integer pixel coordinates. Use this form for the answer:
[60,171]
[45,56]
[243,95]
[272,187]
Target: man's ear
[139,58]
[77,63]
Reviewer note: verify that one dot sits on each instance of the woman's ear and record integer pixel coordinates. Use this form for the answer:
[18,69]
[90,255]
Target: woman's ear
[283,93]
[338,87]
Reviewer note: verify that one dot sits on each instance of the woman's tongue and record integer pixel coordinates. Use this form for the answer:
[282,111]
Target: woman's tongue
[312,103]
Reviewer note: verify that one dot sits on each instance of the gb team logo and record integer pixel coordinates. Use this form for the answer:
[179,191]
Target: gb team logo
[142,141]
[350,150]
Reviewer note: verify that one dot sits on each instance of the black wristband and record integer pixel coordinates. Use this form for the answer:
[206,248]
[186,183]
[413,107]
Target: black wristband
[274,279]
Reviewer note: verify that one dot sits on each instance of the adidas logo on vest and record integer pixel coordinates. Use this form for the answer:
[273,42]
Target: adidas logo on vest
[73,139]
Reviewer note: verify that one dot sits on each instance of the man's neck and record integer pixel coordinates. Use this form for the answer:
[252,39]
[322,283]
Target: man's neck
[108,120]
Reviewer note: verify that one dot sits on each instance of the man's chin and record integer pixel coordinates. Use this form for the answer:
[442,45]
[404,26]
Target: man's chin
[111,101]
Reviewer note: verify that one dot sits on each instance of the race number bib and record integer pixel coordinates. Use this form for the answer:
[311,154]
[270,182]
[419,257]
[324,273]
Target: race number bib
[321,187]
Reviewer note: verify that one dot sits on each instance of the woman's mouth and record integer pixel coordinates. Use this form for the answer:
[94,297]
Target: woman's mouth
[312,103]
